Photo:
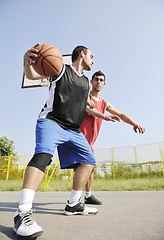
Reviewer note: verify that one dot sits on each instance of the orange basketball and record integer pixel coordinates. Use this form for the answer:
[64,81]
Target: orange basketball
[49,61]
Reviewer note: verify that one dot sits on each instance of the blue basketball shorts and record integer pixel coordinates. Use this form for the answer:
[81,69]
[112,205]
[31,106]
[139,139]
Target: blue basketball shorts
[73,148]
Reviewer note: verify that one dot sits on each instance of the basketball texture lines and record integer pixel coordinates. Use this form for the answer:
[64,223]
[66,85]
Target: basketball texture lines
[49,61]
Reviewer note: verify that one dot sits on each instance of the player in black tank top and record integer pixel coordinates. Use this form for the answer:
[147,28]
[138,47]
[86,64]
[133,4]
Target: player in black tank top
[66,105]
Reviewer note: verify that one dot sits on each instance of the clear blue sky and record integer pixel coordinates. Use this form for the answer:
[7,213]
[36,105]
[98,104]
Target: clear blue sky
[127,41]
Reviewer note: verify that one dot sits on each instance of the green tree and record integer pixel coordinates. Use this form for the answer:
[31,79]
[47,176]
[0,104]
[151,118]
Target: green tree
[6,147]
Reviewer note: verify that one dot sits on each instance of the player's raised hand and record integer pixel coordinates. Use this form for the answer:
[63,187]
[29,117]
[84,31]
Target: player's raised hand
[32,52]
[138,127]
[90,103]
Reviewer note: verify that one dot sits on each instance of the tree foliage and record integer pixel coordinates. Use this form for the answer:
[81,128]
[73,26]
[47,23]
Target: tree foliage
[6,147]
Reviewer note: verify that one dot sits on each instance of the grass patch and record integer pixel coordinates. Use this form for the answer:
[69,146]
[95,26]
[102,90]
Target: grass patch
[152,184]
[143,184]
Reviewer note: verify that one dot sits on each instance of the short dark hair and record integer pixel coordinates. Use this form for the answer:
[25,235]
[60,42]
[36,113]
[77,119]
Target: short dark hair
[77,51]
[98,73]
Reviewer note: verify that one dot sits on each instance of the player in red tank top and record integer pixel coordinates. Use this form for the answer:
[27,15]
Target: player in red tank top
[92,123]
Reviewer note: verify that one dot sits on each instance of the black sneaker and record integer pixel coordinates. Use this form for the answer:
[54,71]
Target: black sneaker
[92,200]
[25,226]
[79,209]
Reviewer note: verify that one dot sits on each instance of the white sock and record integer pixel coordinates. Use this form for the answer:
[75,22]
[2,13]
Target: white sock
[75,196]
[87,194]
[27,196]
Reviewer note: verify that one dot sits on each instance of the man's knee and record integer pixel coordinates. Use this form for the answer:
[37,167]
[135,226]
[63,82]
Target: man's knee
[40,161]
[87,167]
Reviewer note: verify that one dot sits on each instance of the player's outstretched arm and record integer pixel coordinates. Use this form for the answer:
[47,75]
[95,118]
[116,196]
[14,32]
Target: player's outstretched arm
[28,62]
[95,113]
[125,118]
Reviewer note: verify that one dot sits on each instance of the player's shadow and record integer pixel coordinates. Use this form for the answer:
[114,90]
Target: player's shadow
[8,232]
[39,208]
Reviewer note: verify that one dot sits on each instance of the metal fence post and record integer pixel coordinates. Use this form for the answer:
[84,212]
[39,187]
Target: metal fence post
[160,146]
[8,168]
[24,166]
[71,177]
[114,170]
[46,185]
[137,166]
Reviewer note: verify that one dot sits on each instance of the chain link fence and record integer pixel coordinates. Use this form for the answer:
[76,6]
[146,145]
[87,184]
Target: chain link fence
[120,162]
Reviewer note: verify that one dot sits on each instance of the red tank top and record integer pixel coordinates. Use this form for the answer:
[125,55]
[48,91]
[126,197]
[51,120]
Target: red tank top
[91,125]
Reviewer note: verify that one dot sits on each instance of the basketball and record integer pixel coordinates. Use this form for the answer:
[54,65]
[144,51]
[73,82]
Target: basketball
[49,61]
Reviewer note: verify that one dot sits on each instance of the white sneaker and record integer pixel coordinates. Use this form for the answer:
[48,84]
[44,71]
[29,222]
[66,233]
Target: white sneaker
[25,225]
[79,209]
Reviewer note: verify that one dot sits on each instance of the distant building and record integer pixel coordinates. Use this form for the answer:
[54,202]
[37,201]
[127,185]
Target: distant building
[151,166]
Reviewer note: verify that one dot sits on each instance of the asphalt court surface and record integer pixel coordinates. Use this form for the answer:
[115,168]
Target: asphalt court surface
[123,216]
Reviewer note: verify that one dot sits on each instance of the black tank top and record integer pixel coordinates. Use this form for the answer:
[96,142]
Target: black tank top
[67,99]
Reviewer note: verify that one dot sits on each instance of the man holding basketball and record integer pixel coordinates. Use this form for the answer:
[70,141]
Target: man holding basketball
[91,125]
[58,125]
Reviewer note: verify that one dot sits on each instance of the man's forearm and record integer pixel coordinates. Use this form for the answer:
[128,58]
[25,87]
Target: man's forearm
[128,119]
[94,112]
